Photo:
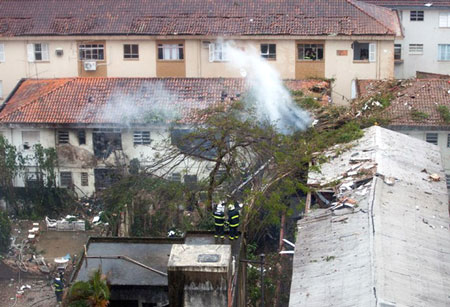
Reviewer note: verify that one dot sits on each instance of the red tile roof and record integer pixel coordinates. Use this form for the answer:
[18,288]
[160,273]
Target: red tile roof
[100,101]
[410,3]
[419,95]
[194,17]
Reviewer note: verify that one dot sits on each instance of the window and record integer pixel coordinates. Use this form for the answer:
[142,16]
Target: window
[397,52]
[81,137]
[30,138]
[269,51]
[444,20]
[415,48]
[141,138]
[37,52]
[364,51]
[432,138]
[217,52]
[443,52]
[175,177]
[310,52]
[65,179]
[170,52]
[63,137]
[32,178]
[92,52]
[2,53]
[190,181]
[131,51]
[447,180]
[416,16]
[106,141]
[84,179]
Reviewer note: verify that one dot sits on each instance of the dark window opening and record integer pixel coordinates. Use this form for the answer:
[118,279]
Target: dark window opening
[432,138]
[448,140]
[193,144]
[269,51]
[141,138]
[131,51]
[190,181]
[63,137]
[310,52]
[81,137]
[397,52]
[33,179]
[105,177]
[360,51]
[84,179]
[65,179]
[447,180]
[106,141]
[175,177]
[416,15]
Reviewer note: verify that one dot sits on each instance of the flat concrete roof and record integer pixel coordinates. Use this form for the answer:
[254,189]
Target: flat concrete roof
[203,258]
[390,245]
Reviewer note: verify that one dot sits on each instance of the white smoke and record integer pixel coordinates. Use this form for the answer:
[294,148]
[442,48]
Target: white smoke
[267,94]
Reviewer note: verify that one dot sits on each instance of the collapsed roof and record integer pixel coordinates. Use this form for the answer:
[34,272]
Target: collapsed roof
[385,240]
[194,17]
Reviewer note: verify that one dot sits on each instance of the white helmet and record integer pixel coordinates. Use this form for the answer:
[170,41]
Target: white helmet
[231,207]
[220,208]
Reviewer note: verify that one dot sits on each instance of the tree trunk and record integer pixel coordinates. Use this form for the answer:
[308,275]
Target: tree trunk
[280,264]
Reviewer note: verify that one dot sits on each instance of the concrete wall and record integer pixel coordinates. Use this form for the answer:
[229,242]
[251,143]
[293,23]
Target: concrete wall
[344,69]
[196,63]
[428,33]
[442,143]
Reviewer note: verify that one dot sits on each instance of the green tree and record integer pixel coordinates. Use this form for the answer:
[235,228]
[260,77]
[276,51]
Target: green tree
[92,293]
[5,232]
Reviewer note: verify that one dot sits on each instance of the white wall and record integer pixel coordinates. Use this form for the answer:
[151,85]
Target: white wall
[428,33]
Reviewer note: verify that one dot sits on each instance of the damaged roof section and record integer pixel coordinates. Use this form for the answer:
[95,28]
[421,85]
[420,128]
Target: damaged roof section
[415,102]
[127,101]
[195,17]
[384,237]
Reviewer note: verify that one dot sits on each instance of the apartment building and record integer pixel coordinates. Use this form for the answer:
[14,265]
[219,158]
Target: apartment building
[341,40]
[425,46]
[98,125]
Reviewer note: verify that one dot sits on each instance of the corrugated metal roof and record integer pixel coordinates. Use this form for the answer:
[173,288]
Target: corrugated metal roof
[393,246]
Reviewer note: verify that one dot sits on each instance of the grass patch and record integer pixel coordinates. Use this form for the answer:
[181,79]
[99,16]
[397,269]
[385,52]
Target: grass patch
[308,103]
[418,115]
[298,93]
[445,113]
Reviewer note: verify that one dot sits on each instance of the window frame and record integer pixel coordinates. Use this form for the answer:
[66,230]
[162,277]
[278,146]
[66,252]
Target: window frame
[62,135]
[371,52]
[447,181]
[446,52]
[62,180]
[140,139]
[398,52]
[416,15]
[217,52]
[2,53]
[177,48]
[268,55]
[84,179]
[43,52]
[315,48]
[429,138]
[444,16]
[418,51]
[81,134]
[97,49]
[131,54]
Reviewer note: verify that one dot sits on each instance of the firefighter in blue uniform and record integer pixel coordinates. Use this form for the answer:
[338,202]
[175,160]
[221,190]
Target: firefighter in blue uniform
[219,221]
[233,221]
[59,288]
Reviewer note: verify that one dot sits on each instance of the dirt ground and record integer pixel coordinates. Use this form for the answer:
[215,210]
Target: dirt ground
[49,244]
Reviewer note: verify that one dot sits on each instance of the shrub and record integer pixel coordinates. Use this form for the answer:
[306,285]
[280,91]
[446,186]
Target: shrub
[5,232]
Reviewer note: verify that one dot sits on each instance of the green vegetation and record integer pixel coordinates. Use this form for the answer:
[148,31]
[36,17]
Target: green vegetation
[5,232]
[445,113]
[92,293]
[418,115]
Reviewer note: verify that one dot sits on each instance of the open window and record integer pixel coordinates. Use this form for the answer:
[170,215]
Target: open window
[65,179]
[193,144]
[29,139]
[364,51]
[170,52]
[310,52]
[269,51]
[105,177]
[217,52]
[106,141]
